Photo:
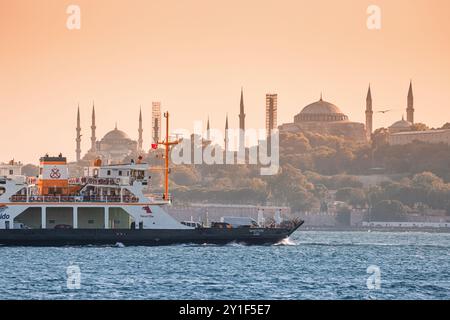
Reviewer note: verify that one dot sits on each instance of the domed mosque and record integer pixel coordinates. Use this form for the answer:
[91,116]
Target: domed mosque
[326,118]
[115,146]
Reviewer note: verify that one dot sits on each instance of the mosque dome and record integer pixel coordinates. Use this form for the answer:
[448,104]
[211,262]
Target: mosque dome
[401,124]
[116,134]
[322,111]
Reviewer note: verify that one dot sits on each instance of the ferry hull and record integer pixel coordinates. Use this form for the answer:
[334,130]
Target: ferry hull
[143,237]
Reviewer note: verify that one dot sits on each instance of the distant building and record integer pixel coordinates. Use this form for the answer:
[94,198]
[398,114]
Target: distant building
[326,118]
[114,147]
[271,112]
[429,136]
[156,122]
[400,126]
[12,168]
[410,103]
[369,115]
[403,131]
[241,122]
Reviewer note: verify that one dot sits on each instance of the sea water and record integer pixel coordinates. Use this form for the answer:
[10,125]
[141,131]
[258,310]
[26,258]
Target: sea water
[310,265]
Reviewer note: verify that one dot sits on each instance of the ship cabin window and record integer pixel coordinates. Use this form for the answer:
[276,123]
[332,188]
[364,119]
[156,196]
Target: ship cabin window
[91,221]
[108,172]
[120,172]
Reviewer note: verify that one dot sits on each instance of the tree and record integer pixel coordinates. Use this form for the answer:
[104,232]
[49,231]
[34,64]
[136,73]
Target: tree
[380,137]
[388,210]
[354,197]
[30,170]
[185,175]
[419,127]
[343,215]
[447,209]
[446,126]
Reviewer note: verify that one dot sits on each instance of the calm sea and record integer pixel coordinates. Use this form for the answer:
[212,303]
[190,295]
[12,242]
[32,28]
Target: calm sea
[312,265]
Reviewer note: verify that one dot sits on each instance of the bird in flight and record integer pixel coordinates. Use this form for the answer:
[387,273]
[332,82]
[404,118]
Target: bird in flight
[384,111]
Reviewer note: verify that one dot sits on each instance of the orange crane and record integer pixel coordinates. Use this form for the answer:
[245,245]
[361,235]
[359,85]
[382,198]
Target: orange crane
[167,145]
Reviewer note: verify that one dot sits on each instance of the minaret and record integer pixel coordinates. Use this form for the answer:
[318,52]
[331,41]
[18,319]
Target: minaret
[369,115]
[226,134]
[410,108]
[208,136]
[140,130]
[78,139]
[242,122]
[93,127]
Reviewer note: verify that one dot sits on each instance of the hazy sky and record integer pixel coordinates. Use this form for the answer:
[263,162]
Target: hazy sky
[194,55]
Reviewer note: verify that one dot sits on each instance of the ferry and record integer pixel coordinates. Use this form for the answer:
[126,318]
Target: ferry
[107,206]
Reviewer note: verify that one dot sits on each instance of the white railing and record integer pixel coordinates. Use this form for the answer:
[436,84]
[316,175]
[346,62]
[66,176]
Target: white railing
[69,199]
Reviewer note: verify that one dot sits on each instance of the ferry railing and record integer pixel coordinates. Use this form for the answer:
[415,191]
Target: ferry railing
[71,199]
[96,181]
[160,197]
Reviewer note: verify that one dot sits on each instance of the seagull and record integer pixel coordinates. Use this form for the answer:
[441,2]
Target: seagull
[384,111]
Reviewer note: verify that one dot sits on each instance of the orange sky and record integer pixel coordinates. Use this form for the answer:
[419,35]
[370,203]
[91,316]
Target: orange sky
[194,55]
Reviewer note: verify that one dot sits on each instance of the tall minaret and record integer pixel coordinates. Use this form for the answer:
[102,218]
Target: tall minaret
[140,130]
[410,108]
[369,115]
[226,134]
[78,139]
[208,135]
[242,122]
[93,127]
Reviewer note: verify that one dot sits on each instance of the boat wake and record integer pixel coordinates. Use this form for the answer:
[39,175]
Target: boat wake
[119,245]
[286,242]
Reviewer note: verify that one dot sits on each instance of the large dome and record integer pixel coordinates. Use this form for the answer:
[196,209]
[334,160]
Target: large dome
[320,111]
[321,107]
[401,124]
[116,134]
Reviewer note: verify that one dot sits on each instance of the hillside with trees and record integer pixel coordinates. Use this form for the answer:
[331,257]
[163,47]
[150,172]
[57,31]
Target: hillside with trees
[316,168]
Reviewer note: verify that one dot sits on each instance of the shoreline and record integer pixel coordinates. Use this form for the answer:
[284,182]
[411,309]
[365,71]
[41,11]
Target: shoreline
[375,229]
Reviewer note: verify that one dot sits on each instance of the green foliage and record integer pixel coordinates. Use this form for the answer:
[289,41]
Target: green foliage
[353,196]
[388,210]
[419,127]
[30,170]
[343,215]
[313,164]
[185,175]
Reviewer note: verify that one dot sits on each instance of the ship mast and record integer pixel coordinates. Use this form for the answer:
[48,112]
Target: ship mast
[167,145]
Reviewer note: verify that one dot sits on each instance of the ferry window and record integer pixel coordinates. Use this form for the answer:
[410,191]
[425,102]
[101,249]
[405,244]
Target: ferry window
[51,221]
[120,172]
[91,221]
[108,172]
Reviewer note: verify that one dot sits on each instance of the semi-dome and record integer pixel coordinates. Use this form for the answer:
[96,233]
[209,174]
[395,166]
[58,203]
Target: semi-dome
[320,111]
[116,134]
